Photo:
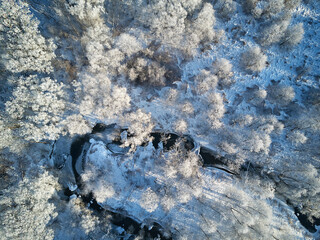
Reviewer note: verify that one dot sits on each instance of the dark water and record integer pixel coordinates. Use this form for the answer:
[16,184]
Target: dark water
[99,127]
[75,152]
[303,219]
[170,140]
[209,158]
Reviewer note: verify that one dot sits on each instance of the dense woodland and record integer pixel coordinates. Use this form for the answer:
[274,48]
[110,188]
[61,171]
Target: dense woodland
[159,119]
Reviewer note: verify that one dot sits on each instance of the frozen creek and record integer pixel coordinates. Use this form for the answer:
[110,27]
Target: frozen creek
[133,189]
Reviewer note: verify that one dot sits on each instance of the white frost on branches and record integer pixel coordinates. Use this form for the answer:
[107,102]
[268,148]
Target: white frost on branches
[24,49]
[253,59]
[88,12]
[26,211]
[37,107]
[100,98]
[140,126]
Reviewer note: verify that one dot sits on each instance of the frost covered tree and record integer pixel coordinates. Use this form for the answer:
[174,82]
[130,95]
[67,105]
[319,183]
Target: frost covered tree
[87,12]
[146,71]
[223,69]
[23,48]
[273,7]
[178,172]
[97,43]
[97,96]
[81,222]
[258,142]
[140,127]
[205,81]
[77,124]
[291,4]
[281,94]
[37,104]
[181,32]
[293,35]
[36,108]
[201,30]
[297,137]
[253,59]
[225,8]
[301,185]
[161,15]
[6,134]
[9,136]
[274,32]
[128,44]
[26,211]
[216,110]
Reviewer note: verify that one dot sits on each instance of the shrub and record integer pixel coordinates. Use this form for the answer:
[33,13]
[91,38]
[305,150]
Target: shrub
[149,200]
[259,142]
[140,127]
[171,96]
[181,126]
[274,32]
[76,124]
[281,94]
[187,108]
[252,7]
[253,59]
[257,96]
[128,44]
[225,8]
[297,137]
[223,69]
[293,35]
[144,70]
[216,110]
[273,8]
[87,12]
[205,81]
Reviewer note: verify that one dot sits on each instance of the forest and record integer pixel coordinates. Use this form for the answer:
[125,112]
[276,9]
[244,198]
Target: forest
[159,119]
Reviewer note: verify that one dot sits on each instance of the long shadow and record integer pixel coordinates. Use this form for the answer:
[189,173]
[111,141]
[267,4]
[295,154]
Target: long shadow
[209,158]
[75,152]
[303,219]
[170,140]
